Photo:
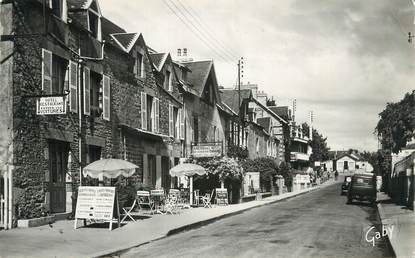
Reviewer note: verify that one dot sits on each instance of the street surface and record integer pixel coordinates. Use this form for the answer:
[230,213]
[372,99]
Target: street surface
[318,224]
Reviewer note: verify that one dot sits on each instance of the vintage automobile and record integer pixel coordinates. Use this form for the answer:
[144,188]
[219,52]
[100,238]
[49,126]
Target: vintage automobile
[346,184]
[362,187]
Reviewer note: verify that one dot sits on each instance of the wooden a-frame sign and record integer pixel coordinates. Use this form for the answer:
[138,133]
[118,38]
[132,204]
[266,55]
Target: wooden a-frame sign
[97,203]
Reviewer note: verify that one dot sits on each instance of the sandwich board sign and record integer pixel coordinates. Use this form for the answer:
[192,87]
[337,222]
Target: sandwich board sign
[96,203]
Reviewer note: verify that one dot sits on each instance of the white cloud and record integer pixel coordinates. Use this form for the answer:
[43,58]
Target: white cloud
[342,59]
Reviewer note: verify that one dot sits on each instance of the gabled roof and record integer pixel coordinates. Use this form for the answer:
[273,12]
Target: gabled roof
[199,75]
[159,59]
[282,111]
[269,111]
[125,41]
[347,155]
[264,122]
[230,98]
[108,27]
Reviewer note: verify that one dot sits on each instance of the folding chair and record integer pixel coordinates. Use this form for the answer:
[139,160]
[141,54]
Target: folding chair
[144,201]
[207,200]
[128,211]
[221,196]
[158,197]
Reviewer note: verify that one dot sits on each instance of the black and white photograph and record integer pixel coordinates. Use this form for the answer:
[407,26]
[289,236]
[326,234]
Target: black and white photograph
[207,128]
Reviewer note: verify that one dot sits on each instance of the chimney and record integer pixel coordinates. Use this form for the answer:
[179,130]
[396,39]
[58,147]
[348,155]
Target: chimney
[184,51]
[179,52]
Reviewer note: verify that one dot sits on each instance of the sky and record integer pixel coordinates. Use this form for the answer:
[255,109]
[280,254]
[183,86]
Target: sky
[344,60]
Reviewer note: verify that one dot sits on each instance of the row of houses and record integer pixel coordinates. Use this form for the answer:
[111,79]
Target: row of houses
[121,99]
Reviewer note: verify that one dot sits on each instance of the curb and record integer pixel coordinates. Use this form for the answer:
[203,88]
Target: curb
[119,250]
[384,221]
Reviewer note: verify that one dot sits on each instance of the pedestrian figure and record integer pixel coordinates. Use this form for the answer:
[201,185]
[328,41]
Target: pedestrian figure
[336,174]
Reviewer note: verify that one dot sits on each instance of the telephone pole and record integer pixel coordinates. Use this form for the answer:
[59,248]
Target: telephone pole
[240,75]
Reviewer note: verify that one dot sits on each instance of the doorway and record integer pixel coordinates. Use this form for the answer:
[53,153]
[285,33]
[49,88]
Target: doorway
[346,165]
[58,166]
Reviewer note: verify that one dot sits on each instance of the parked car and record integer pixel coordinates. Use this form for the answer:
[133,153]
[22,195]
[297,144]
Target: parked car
[346,184]
[362,187]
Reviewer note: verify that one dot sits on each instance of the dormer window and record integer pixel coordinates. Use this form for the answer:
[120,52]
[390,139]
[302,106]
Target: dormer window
[168,81]
[184,75]
[139,65]
[93,23]
[59,9]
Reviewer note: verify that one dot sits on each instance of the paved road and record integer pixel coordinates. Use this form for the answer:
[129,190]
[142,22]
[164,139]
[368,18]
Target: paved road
[318,224]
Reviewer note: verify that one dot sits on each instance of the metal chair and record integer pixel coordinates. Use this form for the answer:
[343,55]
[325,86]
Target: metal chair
[197,197]
[207,200]
[144,201]
[158,197]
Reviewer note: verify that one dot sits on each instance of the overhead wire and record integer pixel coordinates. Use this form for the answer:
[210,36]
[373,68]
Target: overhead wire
[194,30]
[207,30]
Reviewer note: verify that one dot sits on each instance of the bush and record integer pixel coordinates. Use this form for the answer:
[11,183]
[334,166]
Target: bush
[267,168]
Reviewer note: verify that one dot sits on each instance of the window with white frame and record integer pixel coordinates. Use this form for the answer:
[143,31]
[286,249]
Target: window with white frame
[150,113]
[257,145]
[139,65]
[168,81]
[59,9]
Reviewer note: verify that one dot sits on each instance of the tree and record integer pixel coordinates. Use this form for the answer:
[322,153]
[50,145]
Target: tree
[396,126]
[318,145]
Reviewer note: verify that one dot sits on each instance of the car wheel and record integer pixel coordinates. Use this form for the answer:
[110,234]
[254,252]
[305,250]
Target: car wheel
[349,200]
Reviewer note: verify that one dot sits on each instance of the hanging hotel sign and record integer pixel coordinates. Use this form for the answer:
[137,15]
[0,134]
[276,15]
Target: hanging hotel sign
[95,203]
[51,105]
[213,149]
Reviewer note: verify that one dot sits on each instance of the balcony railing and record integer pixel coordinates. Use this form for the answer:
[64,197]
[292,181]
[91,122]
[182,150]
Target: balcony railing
[299,156]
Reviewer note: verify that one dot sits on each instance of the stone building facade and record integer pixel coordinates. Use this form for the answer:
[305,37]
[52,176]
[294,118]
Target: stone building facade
[120,100]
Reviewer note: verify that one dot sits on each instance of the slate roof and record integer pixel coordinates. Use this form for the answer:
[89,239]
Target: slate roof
[282,111]
[410,146]
[108,27]
[230,98]
[158,59]
[125,40]
[264,122]
[200,72]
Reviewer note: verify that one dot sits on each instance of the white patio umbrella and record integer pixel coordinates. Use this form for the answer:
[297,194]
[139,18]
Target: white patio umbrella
[188,169]
[110,168]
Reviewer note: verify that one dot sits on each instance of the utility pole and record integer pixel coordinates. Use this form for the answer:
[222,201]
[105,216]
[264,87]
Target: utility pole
[240,74]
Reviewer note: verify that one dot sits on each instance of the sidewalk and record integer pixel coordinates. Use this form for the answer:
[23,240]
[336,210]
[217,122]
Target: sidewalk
[402,219]
[61,240]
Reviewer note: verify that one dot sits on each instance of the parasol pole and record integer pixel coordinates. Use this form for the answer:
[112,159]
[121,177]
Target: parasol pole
[191,190]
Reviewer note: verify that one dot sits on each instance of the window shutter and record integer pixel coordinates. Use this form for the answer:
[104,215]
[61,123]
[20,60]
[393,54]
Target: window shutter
[153,115]
[106,96]
[46,71]
[182,115]
[73,89]
[64,11]
[87,91]
[171,125]
[143,111]
[170,82]
[157,115]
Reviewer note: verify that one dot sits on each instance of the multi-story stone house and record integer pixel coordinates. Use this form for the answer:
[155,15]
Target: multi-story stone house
[203,120]
[121,101]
